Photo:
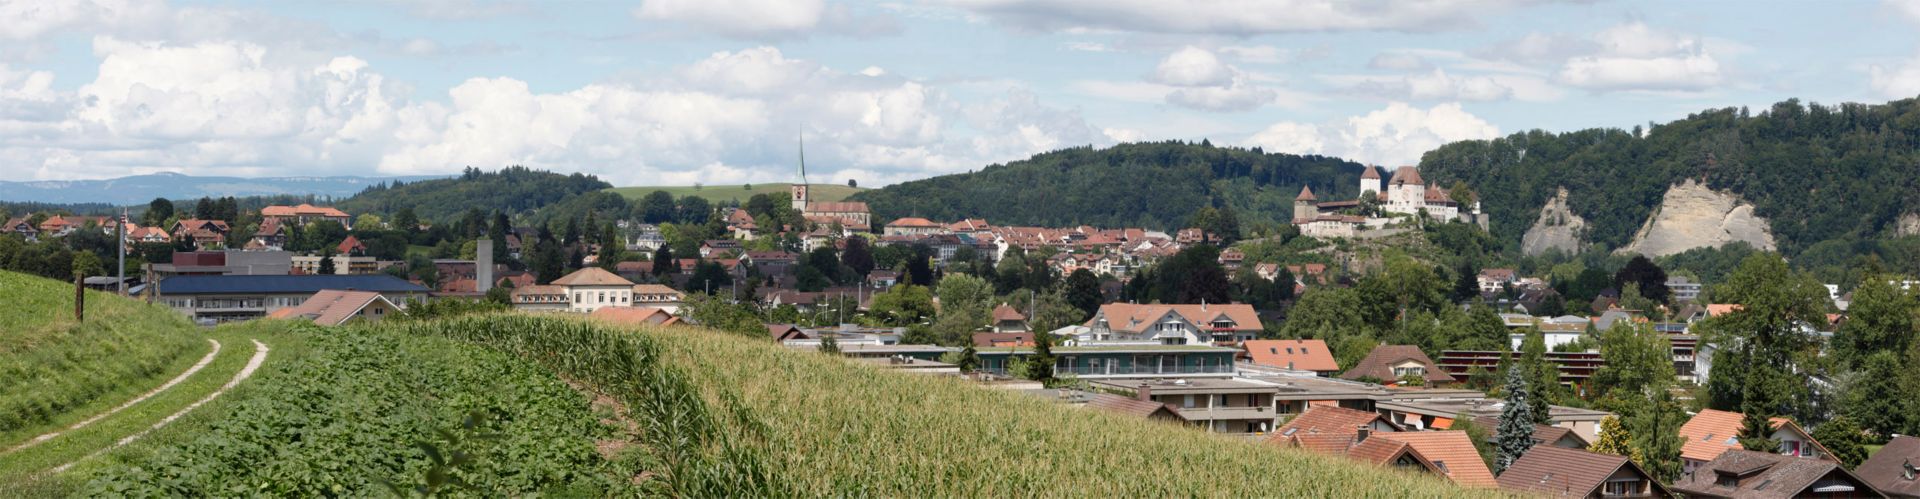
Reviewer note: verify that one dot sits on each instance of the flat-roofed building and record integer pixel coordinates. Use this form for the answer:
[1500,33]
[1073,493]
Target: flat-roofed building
[1220,405]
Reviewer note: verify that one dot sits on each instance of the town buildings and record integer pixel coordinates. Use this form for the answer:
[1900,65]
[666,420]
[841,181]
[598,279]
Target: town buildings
[305,214]
[1748,474]
[212,299]
[1195,324]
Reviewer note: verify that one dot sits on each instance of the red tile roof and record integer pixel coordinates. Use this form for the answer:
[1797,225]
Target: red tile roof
[1301,355]
[1006,312]
[1370,172]
[1136,318]
[1565,472]
[1406,175]
[350,245]
[912,222]
[1331,420]
[635,315]
[592,276]
[1452,451]
[1306,194]
[332,307]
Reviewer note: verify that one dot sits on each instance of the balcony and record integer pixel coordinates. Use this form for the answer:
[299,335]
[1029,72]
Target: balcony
[1203,413]
[1130,371]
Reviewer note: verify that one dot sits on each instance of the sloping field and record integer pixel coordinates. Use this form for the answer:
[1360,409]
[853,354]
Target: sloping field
[818,192]
[54,370]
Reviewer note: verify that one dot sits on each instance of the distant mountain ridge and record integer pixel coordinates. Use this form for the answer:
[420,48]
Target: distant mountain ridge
[140,189]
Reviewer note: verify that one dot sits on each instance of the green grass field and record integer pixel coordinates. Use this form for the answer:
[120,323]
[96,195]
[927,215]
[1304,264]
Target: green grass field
[739,192]
[52,366]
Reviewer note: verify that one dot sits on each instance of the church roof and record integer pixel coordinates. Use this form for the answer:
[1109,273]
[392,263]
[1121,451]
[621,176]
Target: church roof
[1306,194]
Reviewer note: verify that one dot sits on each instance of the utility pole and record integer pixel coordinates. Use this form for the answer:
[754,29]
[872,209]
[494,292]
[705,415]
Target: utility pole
[121,229]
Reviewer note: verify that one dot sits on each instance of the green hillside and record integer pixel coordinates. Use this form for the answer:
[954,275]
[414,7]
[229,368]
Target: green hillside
[1827,177]
[740,193]
[1151,184]
[514,190]
[561,406]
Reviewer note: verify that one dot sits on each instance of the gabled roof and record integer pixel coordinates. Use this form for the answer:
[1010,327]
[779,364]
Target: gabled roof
[654,289]
[350,245]
[284,284]
[1300,355]
[333,307]
[592,276]
[1005,313]
[1452,452]
[1767,475]
[1379,364]
[1137,318]
[1887,469]
[635,315]
[302,209]
[1129,406]
[783,332]
[1568,473]
[1711,432]
[1331,420]
[912,222]
[837,207]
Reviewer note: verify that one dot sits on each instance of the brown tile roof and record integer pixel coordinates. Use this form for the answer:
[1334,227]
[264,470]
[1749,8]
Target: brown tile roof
[1452,452]
[1762,475]
[592,276]
[1137,318]
[303,209]
[1002,339]
[1005,312]
[1887,469]
[1130,406]
[332,307]
[1379,364]
[634,315]
[1330,420]
[1542,434]
[1406,175]
[837,207]
[1568,473]
[1306,194]
[1302,355]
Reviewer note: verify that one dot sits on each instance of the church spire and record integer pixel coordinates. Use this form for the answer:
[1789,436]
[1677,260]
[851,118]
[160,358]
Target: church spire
[803,157]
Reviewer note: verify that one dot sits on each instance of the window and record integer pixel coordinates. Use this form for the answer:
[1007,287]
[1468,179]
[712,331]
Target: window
[1289,350]
[1622,487]
[1442,465]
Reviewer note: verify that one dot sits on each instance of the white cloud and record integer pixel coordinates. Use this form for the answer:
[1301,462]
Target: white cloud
[767,19]
[1233,17]
[1236,95]
[1258,54]
[1908,8]
[1397,134]
[1685,73]
[1897,81]
[1193,67]
[1439,85]
[1398,61]
[1088,47]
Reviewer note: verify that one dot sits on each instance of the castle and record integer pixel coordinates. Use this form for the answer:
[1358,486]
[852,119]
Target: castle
[1406,193]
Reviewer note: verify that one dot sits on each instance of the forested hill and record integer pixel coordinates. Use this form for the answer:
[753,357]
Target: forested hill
[513,190]
[1155,185]
[1819,173]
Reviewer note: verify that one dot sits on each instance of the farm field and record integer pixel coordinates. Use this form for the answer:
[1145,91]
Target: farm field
[516,405]
[739,192]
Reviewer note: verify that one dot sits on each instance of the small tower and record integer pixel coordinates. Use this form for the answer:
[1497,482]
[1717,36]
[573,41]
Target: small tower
[799,190]
[1303,205]
[1370,180]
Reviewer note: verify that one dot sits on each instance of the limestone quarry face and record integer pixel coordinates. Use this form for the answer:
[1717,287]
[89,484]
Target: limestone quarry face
[1693,216]
[1557,227]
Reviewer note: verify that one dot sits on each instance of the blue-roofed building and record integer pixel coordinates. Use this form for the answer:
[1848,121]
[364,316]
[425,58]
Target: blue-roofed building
[209,299]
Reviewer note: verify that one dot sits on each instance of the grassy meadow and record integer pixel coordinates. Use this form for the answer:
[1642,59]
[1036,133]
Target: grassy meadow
[53,369]
[739,192]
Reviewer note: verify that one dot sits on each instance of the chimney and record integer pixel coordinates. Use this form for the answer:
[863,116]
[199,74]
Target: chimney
[483,264]
[1360,434]
[1144,392]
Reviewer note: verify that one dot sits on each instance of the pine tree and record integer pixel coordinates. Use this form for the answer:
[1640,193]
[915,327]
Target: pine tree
[1655,431]
[1756,431]
[1542,376]
[1515,434]
[326,262]
[663,262]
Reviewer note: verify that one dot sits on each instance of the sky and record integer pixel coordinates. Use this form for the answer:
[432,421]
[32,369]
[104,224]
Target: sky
[677,92]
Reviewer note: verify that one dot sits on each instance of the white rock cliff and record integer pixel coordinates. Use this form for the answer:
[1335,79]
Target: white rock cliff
[1557,227]
[1693,216]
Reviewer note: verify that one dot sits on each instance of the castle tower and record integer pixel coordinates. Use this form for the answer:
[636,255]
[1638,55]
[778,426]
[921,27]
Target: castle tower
[1303,205]
[1370,180]
[799,190]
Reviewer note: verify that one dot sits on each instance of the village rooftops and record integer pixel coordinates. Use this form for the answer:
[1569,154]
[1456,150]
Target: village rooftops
[883,350]
[1761,475]
[1575,473]
[1300,355]
[1057,350]
[592,276]
[1892,468]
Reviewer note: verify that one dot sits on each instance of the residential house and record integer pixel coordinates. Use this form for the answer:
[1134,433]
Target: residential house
[1711,433]
[1548,435]
[1558,472]
[741,224]
[152,235]
[783,332]
[1008,320]
[57,226]
[1763,475]
[20,225]
[986,340]
[1128,323]
[591,288]
[1452,454]
[882,279]
[1682,289]
[1392,363]
[272,235]
[977,227]
[1891,470]
[1232,258]
[635,316]
[1296,355]
[205,234]
[305,214]
[211,299]
[1330,420]
[1220,405]
[1492,281]
[643,237]
[717,248]
[334,307]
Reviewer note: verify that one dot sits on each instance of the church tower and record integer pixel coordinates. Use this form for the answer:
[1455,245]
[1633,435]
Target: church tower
[799,190]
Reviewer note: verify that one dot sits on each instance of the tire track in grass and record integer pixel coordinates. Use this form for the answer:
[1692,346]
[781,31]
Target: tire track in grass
[204,361]
[253,364]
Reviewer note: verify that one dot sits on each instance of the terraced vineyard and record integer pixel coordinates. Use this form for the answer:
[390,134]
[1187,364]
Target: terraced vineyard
[515,405]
